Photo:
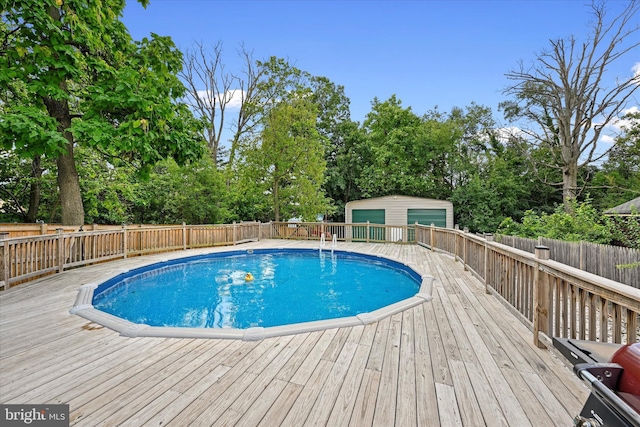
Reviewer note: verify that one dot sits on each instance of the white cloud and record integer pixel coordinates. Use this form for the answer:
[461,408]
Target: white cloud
[618,125]
[636,69]
[232,98]
[607,139]
[507,133]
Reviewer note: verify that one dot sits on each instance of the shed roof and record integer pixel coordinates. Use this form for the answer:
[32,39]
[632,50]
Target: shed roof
[632,207]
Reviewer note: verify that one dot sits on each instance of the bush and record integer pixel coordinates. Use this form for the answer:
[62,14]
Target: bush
[584,224]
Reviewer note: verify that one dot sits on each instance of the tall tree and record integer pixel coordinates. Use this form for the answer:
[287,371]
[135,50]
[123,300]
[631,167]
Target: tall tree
[215,93]
[566,95]
[72,75]
[287,160]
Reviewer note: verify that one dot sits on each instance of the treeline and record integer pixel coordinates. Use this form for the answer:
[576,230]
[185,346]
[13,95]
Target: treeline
[456,156]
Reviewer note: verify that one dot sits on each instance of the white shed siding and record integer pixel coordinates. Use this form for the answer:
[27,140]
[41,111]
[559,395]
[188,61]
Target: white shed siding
[397,207]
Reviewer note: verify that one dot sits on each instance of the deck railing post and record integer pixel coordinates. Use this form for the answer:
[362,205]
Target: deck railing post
[124,240]
[4,279]
[184,236]
[542,301]
[234,233]
[464,248]
[455,243]
[488,238]
[432,237]
[60,259]
[368,228]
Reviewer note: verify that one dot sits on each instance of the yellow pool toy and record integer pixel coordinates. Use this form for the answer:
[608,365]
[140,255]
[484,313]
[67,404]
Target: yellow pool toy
[248,277]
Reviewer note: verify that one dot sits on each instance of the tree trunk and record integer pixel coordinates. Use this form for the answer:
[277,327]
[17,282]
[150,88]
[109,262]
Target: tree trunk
[569,186]
[34,190]
[68,180]
[69,185]
[276,204]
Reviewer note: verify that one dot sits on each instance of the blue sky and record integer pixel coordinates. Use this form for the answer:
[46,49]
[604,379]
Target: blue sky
[429,53]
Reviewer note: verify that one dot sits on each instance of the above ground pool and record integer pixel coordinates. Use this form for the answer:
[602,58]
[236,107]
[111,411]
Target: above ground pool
[252,294]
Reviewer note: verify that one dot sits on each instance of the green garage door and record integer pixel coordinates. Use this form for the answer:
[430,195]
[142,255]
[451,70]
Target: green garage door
[427,217]
[374,216]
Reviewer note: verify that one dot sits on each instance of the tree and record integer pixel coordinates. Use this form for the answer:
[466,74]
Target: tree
[70,74]
[287,160]
[565,93]
[213,92]
[617,180]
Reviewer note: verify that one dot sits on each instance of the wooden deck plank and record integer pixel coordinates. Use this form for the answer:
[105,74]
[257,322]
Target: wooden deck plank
[468,407]
[387,395]
[462,359]
[427,409]
[406,409]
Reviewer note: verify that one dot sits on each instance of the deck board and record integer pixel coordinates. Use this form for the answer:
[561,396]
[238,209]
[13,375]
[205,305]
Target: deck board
[461,359]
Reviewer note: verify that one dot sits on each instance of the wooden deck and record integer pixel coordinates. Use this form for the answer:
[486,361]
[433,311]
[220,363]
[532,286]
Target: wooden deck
[461,359]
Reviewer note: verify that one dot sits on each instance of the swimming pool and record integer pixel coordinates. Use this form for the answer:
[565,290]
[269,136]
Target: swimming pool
[289,291]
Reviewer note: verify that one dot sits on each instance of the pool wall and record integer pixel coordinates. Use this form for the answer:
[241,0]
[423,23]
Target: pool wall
[83,307]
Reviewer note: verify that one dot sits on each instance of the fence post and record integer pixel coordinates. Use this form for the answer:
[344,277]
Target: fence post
[43,229]
[542,301]
[488,238]
[4,279]
[60,249]
[184,236]
[124,240]
[464,248]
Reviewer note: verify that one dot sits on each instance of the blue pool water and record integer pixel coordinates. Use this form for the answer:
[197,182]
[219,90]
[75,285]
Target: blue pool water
[288,286]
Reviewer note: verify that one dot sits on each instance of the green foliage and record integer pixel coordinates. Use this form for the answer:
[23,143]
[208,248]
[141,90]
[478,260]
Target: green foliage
[626,231]
[286,162]
[71,76]
[194,194]
[584,224]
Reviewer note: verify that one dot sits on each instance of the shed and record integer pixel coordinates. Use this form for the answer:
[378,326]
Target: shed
[630,208]
[400,210]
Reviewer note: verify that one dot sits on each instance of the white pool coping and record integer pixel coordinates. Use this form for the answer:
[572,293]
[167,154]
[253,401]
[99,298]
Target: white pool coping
[83,307]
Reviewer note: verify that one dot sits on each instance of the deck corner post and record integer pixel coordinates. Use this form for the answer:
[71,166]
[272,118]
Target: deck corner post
[488,238]
[541,302]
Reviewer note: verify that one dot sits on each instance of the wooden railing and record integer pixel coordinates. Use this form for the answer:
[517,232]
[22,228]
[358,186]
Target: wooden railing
[25,258]
[357,232]
[552,299]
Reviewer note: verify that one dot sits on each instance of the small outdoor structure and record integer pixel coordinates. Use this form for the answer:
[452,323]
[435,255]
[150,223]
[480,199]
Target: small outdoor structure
[400,211]
[630,208]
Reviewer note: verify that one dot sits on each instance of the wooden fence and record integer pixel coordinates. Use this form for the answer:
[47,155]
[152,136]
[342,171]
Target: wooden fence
[602,260]
[551,298]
